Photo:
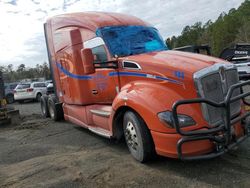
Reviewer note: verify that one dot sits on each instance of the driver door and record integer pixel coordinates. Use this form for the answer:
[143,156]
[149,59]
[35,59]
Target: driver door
[103,86]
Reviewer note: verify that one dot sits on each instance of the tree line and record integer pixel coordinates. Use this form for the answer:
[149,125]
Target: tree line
[230,28]
[22,72]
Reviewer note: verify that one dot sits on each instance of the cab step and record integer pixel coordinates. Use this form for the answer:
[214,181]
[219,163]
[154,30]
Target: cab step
[100,131]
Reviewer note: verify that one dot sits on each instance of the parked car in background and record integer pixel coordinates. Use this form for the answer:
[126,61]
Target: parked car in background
[239,55]
[47,82]
[9,92]
[50,89]
[243,66]
[27,91]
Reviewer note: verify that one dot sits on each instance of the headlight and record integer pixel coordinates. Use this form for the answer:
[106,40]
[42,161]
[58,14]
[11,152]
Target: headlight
[167,119]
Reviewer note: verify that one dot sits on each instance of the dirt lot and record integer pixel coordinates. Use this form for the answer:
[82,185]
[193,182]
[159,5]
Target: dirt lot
[42,153]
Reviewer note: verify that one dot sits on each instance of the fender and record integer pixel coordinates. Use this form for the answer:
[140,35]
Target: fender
[150,98]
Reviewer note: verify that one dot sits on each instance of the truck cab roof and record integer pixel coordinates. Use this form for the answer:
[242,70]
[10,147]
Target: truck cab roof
[94,20]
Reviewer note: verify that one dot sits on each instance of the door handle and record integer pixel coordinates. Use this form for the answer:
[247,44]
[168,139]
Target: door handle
[94,92]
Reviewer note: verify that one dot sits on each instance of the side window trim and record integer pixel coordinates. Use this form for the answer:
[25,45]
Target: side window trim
[94,42]
[97,44]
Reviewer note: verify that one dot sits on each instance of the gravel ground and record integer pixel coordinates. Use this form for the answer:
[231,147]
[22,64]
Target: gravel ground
[42,153]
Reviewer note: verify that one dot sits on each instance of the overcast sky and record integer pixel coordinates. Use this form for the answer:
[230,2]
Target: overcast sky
[21,30]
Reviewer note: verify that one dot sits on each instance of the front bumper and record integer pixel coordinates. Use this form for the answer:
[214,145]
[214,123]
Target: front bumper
[223,135]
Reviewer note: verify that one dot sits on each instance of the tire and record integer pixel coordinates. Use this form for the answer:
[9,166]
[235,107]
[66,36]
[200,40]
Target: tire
[44,106]
[55,110]
[38,97]
[138,137]
[10,98]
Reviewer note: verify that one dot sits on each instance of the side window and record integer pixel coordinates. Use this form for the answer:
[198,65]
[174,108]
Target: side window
[39,85]
[23,86]
[36,85]
[100,54]
[42,85]
[98,49]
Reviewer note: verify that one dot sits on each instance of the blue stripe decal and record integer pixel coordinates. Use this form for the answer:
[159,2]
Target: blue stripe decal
[80,77]
[127,74]
[84,77]
[144,75]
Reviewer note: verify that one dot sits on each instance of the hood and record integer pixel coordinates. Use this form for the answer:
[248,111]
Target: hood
[171,61]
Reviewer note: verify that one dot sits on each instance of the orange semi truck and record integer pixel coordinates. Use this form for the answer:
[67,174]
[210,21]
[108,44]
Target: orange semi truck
[114,75]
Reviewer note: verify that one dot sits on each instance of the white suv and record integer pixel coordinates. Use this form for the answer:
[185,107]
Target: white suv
[26,91]
[243,66]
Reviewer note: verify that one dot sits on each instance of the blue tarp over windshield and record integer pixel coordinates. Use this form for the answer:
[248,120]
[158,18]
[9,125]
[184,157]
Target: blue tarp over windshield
[130,40]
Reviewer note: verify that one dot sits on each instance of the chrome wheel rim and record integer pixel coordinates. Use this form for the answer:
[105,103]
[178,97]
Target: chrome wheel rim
[131,136]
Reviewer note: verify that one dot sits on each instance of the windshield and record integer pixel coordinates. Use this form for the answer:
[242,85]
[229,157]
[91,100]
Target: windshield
[130,40]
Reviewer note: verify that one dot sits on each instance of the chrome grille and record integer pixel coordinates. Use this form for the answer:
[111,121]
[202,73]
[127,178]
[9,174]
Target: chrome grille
[213,84]
[212,89]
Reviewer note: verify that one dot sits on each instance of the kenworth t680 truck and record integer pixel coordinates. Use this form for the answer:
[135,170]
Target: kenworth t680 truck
[114,75]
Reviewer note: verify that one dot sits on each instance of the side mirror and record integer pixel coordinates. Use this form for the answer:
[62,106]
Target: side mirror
[88,61]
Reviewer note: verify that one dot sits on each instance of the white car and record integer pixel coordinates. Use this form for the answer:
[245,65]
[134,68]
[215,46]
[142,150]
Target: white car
[47,82]
[243,66]
[26,91]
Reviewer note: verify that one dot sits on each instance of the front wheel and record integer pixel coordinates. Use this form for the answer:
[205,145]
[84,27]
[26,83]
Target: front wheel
[138,137]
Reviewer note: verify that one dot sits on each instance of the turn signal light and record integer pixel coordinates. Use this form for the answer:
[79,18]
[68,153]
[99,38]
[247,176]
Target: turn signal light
[167,119]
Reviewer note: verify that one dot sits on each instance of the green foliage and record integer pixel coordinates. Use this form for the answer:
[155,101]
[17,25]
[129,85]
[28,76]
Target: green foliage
[228,29]
[22,72]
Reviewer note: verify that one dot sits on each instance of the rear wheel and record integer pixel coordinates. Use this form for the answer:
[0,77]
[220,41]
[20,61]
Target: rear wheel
[44,106]
[138,137]
[55,110]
